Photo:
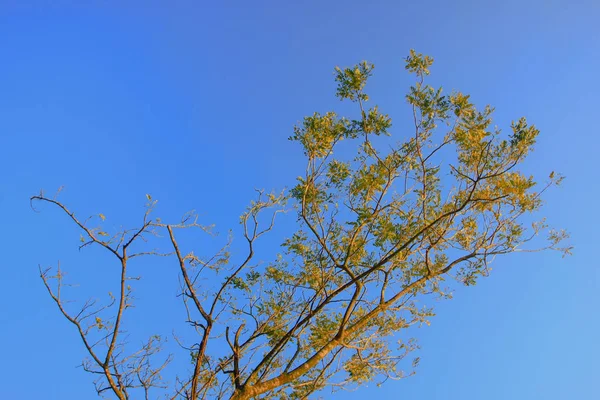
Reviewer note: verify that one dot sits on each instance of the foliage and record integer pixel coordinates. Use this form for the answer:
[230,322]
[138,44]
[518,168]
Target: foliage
[376,231]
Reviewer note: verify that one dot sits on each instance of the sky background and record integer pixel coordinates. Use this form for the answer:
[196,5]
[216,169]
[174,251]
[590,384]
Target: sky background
[193,102]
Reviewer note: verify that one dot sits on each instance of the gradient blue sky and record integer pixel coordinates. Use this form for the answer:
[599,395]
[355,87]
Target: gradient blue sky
[193,102]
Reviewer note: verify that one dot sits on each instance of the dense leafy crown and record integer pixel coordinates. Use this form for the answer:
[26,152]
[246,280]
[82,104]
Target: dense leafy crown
[378,231]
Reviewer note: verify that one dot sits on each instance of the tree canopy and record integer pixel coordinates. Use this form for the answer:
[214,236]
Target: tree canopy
[380,226]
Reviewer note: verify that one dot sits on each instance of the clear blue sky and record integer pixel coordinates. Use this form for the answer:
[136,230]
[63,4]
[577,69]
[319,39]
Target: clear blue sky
[194,103]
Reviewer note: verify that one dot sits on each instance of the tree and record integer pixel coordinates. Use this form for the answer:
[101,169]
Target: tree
[376,232]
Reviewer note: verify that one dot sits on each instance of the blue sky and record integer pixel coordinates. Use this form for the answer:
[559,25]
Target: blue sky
[193,102]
